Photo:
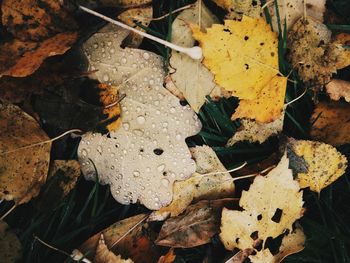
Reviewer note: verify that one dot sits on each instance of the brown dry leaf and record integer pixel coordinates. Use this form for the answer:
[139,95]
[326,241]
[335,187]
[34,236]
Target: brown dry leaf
[331,123]
[343,40]
[135,240]
[22,171]
[237,8]
[312,52]
[36,20]
[291,244]
[267,106]
[292,10]
[168,257]
[270,207]
[62,178]
[324,164]
[26,57]
[142,15]
[109,96]
[254,131]
[199,186]
[338,88]
[10,246]
[113,3]
[104,255]
[195,227]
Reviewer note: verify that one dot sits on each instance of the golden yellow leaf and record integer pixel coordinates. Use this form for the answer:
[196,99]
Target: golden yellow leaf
[199,186]
[22,171]
[324,164]
[241,54]
[270,206]
[331,123]
[10,246]
[267,106]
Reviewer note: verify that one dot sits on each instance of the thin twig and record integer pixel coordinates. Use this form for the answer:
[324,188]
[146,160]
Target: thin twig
[8,212]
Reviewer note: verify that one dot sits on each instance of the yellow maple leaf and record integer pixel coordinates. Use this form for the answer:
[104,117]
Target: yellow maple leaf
[324,164]
[268,105]
[271,206]
[241,54]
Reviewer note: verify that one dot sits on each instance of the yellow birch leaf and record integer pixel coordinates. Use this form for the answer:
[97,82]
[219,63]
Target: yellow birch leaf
[268,105]
[323,162]
[270,207]
[242,55]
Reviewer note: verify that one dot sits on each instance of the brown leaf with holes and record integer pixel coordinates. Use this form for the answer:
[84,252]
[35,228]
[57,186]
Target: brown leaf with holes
[331,123]
[35,20]
[195,227]
[22,171]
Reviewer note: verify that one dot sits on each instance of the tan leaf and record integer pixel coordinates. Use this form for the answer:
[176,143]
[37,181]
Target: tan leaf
[61,179]
[338,88]
[22,171]
[237,8]
[343,40]
[192,78]
[324,163]
[113,3]
[10,246]
[199,186]
[104,255]
[331,123]
[195,227]
[270,207]
[168,257]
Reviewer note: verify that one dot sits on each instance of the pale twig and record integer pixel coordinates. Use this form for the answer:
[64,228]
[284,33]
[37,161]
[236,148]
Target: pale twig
[296,99]
[8,212]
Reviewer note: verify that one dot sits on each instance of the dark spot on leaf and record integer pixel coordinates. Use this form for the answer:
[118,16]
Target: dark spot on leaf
[158,151]
[259,217]
[277,216]
[246,38]
[254,235]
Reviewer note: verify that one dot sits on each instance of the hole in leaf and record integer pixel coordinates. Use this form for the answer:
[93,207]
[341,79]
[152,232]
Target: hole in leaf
[259,217]
[246,38]
[254,235]
[158,151]
[246,66]
[183,102]
[277,216]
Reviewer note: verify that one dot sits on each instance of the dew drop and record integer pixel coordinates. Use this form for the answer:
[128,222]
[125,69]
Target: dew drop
[124,60]
[165,182]
[145,55]
[105,77]
[126,126]
[99,149]
[141,119]
[161,167]
[83,152]
[136,173]
[178,137]
[172,110]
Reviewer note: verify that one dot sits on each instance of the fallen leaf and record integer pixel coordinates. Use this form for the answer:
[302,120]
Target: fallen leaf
[22,171]
[331,123]
[268,106]
[10,246]
[108,97]
[36,20]
[323,162]
[312,53]
[168,257]
[141,159]
[104,255]
[237,8]
[291,10]
[343,41]
[254,131]
[192,78]
[200,185]
[291,244]
[195,227]
[338,88]
[270,207]
[62,178]
[129,238]
[242,55]
[92,4]
[131,17]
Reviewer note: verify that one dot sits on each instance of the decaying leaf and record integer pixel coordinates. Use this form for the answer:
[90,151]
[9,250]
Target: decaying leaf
[338,88]
[35,20]
[270,207]
[324,163]
[254,131]
[168,257]
[242,55]
[291,244]
[193,79]
[195,227]
[343,40]
[200,185]
[312,52]
[143,158]
[109,98]
[22,171]
[61,179]
[129,238]
[113,3]
[267,106]
[291,10]
[131,17]
[10,246]
[237,8]
[104,255]
[331,123]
